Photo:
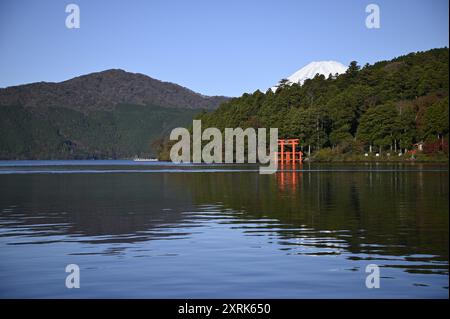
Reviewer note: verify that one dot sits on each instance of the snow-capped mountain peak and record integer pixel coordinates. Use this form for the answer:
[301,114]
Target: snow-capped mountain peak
[321,67]
[310,70]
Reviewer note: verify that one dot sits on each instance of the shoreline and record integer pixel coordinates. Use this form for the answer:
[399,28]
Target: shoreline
[305,161]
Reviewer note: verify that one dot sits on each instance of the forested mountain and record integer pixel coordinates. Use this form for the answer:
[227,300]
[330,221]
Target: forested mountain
[387,106]
[104,90]
[110,114]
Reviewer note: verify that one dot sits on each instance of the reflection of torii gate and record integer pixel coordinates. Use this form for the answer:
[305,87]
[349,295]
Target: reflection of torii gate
[289,156]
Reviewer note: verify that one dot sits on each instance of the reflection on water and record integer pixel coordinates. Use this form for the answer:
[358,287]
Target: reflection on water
[288,178]
[306,231]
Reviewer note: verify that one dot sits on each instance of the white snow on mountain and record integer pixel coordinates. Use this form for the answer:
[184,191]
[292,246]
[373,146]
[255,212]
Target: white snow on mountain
[318,67]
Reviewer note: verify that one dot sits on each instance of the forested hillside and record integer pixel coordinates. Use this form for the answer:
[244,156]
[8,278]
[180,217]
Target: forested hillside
[61,133]
[385,107]
[109,114]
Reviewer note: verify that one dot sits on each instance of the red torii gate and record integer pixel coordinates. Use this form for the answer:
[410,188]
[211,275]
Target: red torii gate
[286,156]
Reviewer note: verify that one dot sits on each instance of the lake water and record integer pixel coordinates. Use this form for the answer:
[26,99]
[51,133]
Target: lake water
[158,230]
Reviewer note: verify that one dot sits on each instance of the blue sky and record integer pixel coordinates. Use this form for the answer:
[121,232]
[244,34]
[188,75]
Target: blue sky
[213,47]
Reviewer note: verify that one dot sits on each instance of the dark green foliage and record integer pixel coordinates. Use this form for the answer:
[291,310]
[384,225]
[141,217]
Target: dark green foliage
[436,120]
[61,133]
[390,105]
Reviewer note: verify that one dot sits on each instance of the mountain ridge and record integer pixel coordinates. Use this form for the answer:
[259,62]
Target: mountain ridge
[106,114]
[105,89]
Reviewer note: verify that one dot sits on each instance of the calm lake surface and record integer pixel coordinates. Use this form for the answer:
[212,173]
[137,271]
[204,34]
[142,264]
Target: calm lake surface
[158,230]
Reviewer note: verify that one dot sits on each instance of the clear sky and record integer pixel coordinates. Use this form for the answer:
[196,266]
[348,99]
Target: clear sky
[215,47]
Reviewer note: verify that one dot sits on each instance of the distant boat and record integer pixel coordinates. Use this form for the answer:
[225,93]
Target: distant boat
[145,159]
